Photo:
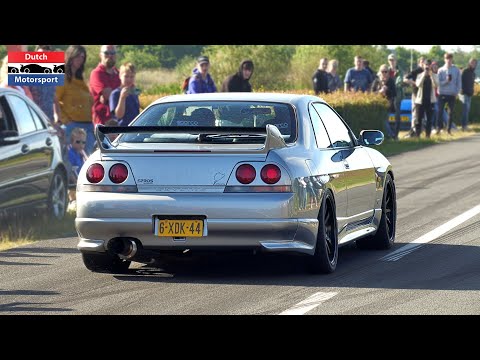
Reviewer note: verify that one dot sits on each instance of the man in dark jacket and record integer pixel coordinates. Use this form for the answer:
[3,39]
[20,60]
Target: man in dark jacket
[240,81]
[320,79]
[468,80]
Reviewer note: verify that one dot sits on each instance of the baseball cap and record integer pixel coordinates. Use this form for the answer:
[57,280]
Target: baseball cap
[203,60]
[391,56]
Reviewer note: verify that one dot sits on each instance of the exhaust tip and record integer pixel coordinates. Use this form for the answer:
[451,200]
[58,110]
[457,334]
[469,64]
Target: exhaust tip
[125,248]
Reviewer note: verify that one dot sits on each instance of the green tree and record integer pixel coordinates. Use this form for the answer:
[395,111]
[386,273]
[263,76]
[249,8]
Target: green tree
[306,60]
[3,51]
[436,54]
[460,58]
[93,58]
[155,56]
[406,58]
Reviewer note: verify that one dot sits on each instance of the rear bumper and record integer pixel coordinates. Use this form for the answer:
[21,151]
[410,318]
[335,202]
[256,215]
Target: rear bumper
[261,221]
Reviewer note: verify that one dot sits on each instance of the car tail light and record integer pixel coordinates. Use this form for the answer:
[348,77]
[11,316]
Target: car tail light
[270,174]
[118,173]
[246,173]
[95,173]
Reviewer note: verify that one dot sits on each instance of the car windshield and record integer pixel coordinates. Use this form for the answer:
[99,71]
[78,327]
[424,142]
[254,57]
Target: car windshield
[216,115]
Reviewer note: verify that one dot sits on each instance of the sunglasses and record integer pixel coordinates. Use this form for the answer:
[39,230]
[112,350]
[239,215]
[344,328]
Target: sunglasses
[80,142]
[109,53]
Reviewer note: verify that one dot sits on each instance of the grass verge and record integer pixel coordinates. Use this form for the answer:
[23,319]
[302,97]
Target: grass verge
[22,229]
[391,147]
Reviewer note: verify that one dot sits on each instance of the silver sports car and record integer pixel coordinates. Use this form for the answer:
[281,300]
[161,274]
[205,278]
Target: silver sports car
[272,172]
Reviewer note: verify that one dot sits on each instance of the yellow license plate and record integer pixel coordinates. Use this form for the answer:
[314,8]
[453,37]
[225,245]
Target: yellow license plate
[405,118]
[179,228]
[391,118]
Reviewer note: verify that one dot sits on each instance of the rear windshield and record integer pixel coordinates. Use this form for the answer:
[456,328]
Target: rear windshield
[214,114]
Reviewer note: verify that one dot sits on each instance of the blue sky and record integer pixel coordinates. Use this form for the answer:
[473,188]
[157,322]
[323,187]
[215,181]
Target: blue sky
[426,48]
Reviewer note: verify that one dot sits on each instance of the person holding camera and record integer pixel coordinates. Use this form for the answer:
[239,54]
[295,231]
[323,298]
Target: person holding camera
[450,80]
[426,82]
[124,101]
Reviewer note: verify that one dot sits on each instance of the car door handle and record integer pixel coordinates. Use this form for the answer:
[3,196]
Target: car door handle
[25,148]
[347,166]
[49,142]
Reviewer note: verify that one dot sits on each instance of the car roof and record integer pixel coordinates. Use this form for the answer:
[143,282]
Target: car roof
[232,96]
[10,90]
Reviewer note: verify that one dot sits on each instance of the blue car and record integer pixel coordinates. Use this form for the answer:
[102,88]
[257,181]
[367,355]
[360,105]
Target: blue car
[405,115]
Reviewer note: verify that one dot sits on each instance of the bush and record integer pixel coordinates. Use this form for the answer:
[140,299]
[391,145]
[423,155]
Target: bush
[361,111]
[475,108]
[474,115]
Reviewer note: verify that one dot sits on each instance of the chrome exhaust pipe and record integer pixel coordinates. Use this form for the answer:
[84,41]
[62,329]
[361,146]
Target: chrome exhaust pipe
[125,248]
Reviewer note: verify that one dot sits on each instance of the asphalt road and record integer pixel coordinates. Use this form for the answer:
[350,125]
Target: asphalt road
[442,276]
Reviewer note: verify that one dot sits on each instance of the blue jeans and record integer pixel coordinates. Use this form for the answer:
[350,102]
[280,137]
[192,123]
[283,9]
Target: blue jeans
[88,127]
[467,101]
[388,129]
[435,115]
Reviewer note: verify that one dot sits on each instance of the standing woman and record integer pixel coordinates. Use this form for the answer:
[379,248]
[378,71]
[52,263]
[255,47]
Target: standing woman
[74,97]
[385,86]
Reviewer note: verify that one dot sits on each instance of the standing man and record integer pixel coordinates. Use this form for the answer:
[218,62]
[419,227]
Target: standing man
[103,80]
[450,85]
[201,81]
[319,78]
[468,80]
[240,81]
[397,75]
[427,82]
[411,79]
[358,78]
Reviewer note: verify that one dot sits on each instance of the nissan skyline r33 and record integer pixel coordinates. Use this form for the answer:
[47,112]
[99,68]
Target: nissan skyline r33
[271,172]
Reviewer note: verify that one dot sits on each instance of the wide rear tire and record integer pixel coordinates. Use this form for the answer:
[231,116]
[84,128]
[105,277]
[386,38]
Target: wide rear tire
[324,260]
[385,235]
[105,263]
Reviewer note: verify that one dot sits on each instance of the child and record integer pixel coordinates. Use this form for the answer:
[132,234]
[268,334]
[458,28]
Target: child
[76,156]
[124,102]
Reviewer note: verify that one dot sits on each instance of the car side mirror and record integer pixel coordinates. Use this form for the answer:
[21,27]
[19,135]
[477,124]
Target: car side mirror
[371,137]
[9,137]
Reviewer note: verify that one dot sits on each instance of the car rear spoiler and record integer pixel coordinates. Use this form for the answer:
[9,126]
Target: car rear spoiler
[273,139]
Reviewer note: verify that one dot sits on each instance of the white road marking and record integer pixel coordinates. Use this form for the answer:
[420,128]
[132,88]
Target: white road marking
[432,235]
[309,303]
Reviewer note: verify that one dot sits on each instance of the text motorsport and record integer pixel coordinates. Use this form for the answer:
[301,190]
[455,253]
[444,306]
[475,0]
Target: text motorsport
[37,68]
